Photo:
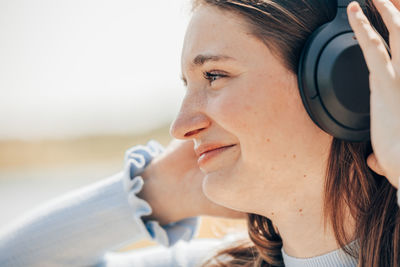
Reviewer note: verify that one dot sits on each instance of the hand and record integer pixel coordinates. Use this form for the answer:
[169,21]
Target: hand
[384,86]
[173,186]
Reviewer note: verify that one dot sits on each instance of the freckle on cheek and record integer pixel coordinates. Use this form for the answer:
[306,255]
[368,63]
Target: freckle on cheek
[300,210]
[294,156]
[305,175]
[268,140]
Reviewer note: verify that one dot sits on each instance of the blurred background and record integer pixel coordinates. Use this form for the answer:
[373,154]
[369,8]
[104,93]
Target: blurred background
[80,82]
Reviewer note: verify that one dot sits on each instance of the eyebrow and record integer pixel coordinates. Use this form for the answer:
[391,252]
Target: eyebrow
[200,60]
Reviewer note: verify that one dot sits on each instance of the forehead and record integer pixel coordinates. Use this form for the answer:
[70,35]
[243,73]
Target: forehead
[213,31]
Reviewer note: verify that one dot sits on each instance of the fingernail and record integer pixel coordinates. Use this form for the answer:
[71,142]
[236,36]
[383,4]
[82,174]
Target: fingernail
[354,7]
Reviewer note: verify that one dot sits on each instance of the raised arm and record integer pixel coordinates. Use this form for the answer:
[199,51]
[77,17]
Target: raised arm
[78,228]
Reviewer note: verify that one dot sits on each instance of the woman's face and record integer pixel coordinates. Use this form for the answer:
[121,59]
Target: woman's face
[238,93]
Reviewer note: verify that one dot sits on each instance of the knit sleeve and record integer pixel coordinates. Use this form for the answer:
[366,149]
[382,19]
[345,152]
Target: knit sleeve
[80,227]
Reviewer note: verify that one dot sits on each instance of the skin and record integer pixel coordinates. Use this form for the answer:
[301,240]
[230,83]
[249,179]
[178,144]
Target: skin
[276,168]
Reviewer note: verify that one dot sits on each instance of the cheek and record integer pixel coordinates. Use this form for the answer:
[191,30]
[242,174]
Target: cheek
[231,110]
[239,108]
[264,113]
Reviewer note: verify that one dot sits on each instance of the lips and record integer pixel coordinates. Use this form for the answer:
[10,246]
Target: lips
[209,154]
[207,148]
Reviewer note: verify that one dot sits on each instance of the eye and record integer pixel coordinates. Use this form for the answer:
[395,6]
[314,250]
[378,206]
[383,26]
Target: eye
[214,75]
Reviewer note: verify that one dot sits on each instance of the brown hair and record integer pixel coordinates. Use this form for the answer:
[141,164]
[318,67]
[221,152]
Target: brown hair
[284,25]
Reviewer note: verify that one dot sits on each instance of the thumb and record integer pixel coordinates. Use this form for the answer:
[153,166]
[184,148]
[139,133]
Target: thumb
[373,164]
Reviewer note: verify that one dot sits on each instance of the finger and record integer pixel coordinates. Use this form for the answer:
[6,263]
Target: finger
[375,54]
[373,164]
[391,17]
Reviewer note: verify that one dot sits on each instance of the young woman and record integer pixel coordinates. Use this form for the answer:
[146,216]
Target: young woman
[310,199]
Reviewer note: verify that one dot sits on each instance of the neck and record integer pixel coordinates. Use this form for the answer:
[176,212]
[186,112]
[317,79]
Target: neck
[302,225]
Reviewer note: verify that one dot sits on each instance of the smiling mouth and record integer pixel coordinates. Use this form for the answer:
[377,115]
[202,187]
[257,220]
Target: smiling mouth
[206,156]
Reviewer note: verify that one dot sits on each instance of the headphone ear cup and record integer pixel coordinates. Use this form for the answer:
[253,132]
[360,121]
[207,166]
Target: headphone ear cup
[333,80]
[334,85]
[343,82]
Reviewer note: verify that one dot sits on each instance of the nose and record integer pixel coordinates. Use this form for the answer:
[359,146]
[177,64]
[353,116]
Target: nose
[190,120]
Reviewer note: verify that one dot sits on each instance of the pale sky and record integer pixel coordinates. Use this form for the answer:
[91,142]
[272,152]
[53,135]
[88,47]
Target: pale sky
[78,67]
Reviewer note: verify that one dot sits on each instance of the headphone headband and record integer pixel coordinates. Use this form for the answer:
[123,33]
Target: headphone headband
[345,3]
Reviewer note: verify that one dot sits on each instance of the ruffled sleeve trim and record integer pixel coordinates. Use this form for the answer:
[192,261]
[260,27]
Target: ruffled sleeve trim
[136,159]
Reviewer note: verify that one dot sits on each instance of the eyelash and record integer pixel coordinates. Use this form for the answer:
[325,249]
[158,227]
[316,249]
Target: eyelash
[211,75]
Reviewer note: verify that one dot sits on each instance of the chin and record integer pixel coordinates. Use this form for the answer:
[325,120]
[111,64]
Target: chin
[219,188]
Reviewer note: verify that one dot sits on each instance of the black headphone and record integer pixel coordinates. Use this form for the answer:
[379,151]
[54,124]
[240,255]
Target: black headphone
[333,79]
